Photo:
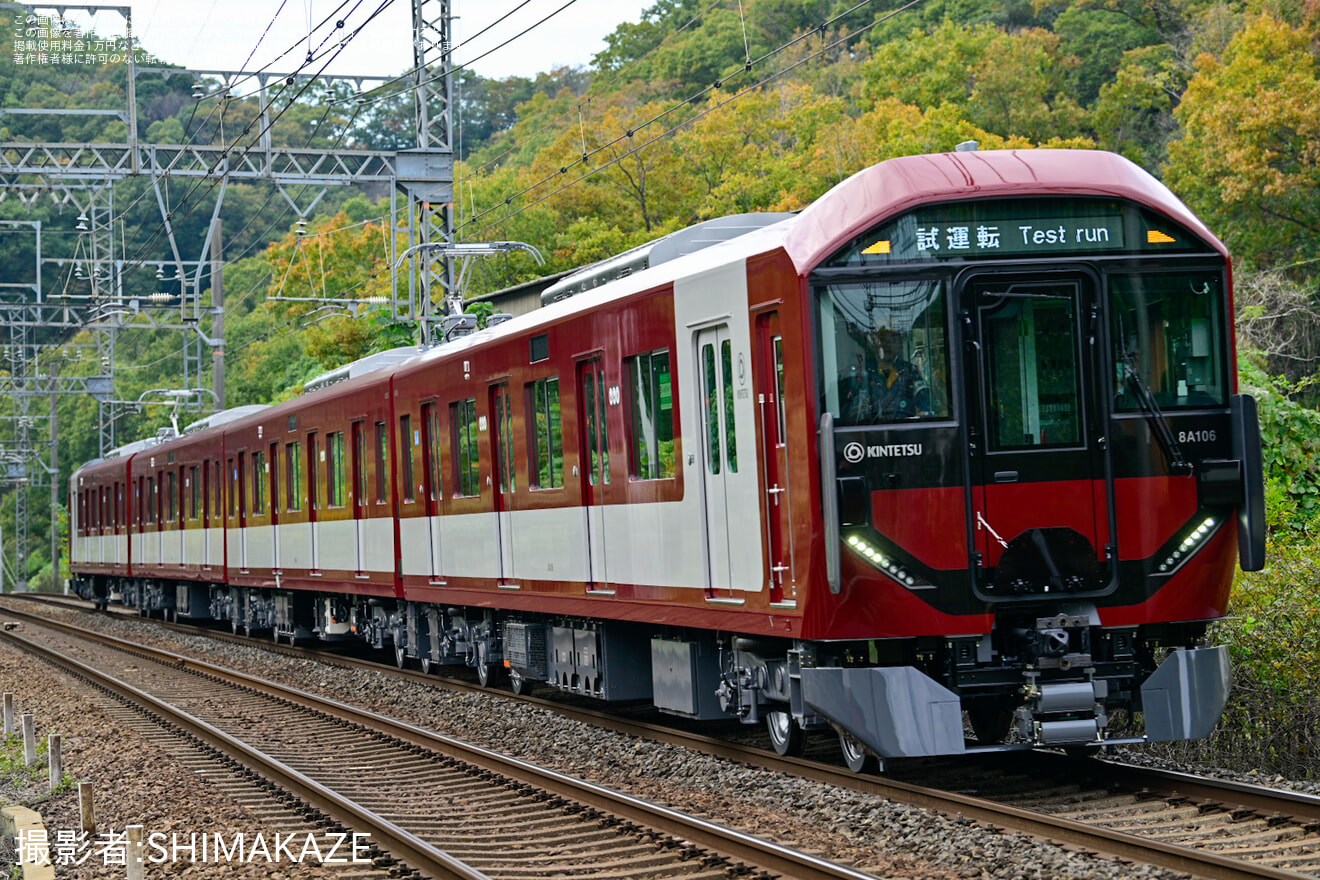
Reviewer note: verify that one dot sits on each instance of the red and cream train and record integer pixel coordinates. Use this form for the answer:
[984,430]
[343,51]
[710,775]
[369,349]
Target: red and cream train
[958,443]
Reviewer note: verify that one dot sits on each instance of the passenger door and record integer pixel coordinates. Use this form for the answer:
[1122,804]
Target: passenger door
[431,483]
[595,456]
[719,451]
[1037,471]
[358,492]
[504,465]
[314,501]
[775,452]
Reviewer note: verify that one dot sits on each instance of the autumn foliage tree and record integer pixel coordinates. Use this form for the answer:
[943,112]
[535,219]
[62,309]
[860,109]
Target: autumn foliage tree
[1249,158]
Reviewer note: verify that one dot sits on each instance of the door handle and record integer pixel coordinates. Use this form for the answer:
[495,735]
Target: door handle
[1006,476]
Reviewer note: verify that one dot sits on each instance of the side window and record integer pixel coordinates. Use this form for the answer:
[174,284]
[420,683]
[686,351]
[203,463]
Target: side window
[274,477]
[463,419]
[313,473]
[504,439]
[233,489]
[194,492]
[171,497]
[778,343]
[884,353]
[241,501]
[293,475]
[431,450]
[1168,336]
[547,442]
[406,457]
[651,417]
[726,394]
[359,464]
[335,468]
[382,463]
[258,482]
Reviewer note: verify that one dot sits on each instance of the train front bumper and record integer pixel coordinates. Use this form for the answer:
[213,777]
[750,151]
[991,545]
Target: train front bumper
[899,712]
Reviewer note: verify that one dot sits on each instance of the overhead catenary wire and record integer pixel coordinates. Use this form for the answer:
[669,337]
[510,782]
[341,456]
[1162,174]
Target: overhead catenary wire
[215,180]
[630,133]
[409,78]
[189,138]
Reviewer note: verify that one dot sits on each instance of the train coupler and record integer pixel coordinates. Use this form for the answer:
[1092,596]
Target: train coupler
[1057,713]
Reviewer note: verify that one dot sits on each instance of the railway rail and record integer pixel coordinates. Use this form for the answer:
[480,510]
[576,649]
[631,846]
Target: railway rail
[391,780]
[1204,827]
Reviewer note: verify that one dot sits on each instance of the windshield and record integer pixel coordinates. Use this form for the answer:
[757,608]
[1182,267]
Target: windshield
[1167,333]
[884,352]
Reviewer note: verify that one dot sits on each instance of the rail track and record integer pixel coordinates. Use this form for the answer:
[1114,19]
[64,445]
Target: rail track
[445,808]
[1204,827]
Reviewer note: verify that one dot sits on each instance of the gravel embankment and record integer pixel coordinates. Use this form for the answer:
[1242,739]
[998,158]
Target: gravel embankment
[136,783]
[887,839]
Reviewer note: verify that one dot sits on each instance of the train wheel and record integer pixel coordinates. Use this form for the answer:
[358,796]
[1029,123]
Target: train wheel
[400,656]
[426,665]
[990,724]
[233,625]
[518,683]
[786,735]
[485,674]
[858,759]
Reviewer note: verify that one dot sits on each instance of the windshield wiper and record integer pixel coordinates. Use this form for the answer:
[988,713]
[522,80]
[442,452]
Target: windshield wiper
[1159,425]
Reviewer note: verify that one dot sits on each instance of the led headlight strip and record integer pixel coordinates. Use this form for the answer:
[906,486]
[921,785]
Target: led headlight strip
[881,561]
[1189,545]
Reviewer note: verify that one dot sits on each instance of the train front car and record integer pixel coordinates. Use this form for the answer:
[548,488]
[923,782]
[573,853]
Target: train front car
[1034,472]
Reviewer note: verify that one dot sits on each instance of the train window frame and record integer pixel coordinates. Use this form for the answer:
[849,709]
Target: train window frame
[886,354]
[171,496]
[232,473]
[335,468]
[151,496]
[545,434]
[195,491]
[1133,356]
[647,415]
[406,458]
[313,472]
[293,475]
[258,482]
[502,398]
[432,488]
[274,480]
[781,415]
[382,462]
[218,487]
[1045,407]
[358,470]
[594,395]
[465,453]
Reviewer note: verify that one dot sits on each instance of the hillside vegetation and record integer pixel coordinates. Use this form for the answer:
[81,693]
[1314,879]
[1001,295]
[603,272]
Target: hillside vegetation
[706,108]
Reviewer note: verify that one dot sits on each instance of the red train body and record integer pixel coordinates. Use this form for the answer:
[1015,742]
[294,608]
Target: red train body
[956,443]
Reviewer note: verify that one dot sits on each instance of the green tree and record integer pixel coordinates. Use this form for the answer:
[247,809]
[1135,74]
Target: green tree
[1010,84]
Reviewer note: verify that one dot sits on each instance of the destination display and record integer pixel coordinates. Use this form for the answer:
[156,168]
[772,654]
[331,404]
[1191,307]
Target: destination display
[1018,228]
[1046,235]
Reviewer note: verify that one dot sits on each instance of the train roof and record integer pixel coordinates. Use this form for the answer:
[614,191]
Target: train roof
[381,360]
[214,420]
[898,185]
[164,436]
[662,250]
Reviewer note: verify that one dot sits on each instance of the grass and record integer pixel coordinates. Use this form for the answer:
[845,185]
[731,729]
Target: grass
[1272,722]
[26,783]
